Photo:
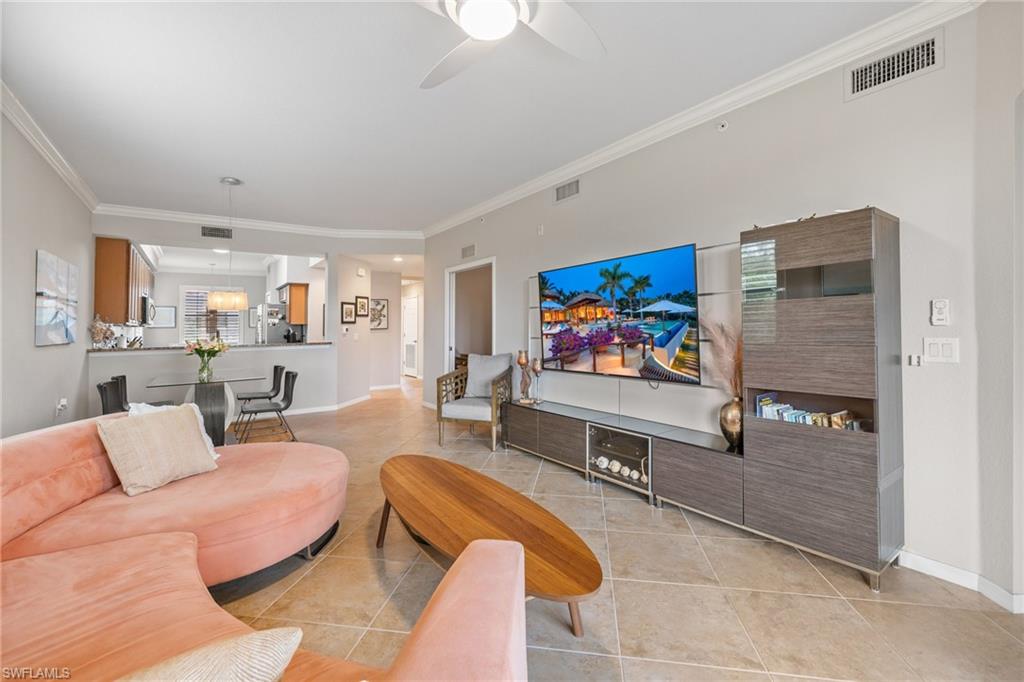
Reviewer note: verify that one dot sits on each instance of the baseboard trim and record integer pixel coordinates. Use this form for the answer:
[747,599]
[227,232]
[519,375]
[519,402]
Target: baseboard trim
[312,410]
[429,406]
[354,401]
[958,576]
[329,408]
[383,387]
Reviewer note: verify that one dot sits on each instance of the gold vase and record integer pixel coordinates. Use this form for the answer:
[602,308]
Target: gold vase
[730,420]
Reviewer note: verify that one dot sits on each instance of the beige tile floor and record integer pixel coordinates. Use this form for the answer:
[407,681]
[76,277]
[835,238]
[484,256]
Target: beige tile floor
[684,597]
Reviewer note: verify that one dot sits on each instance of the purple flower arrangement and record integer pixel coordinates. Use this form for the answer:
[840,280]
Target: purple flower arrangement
[567,341]
[630,334]
[600,337]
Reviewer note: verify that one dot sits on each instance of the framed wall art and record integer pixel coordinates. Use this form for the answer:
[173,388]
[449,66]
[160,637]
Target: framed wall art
[378,313]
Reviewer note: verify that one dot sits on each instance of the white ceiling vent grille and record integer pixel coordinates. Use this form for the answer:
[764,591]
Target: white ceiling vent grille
[217,232]
[469,251]
[569,189]
[882,70]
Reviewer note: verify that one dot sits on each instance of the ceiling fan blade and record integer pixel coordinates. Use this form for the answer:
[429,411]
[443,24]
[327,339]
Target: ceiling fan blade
[431,6]
[461,58]
[561,25]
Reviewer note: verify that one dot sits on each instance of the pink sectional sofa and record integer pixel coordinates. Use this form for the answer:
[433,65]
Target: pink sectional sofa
[263,503]
[101,584]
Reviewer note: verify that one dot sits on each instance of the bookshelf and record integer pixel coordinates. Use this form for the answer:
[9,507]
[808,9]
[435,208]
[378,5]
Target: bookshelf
[821,330]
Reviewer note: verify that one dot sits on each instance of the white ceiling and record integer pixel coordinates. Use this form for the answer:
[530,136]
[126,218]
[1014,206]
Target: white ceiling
[411,265]
[316,106]
[182,259]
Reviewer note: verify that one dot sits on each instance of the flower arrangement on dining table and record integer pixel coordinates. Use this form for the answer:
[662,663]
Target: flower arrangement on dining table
[206,350]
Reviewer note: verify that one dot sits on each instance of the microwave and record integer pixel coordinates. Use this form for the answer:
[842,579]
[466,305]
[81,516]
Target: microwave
[148,311]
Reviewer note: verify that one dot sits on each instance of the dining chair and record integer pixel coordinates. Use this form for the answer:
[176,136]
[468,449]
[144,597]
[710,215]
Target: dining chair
[265,395]
[253,409]
[249,396]
[110,397]
[122,394]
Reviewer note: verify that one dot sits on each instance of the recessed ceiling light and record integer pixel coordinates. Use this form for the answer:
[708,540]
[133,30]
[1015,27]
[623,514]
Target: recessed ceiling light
[397,259]
[229,180]
[221,251]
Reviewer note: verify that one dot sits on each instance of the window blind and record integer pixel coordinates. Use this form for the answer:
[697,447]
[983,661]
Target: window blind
[203,324]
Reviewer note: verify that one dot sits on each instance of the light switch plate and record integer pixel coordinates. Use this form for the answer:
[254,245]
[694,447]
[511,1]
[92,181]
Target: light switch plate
[940,312]
[942,350]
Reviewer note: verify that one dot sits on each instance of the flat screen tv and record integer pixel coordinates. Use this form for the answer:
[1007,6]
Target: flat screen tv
[634,316]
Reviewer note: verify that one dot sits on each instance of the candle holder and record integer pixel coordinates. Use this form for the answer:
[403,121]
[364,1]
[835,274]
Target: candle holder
[523,360]
[537,367]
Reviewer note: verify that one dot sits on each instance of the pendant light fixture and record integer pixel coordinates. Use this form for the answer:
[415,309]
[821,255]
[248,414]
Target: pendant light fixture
[228,300]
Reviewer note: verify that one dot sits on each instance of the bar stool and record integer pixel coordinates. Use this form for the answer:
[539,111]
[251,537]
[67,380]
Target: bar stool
[253,409]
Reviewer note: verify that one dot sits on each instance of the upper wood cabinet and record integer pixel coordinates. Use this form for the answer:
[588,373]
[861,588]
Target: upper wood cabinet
[296,297]
[121,278]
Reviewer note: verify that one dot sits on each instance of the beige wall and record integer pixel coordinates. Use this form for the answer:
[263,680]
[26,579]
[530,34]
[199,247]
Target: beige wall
[386,348]
[40,212]
[353,340]
[473,311]
[317,327]
[933,150]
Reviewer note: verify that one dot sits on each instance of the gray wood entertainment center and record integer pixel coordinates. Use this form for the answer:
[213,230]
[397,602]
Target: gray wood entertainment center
[821,330]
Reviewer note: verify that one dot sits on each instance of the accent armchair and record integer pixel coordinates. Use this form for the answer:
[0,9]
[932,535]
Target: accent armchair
[474,394]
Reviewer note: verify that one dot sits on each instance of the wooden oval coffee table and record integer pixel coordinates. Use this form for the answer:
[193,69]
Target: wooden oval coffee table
[450,506]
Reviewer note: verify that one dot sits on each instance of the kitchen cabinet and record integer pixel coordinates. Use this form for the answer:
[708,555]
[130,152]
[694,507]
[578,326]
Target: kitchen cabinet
[296,297]
[122,278]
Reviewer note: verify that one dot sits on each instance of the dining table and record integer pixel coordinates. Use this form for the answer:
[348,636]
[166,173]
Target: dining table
[212,395]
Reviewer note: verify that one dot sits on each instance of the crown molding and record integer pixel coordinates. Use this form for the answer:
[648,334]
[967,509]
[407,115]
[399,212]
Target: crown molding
[897,28]
[27,126]
[250,223]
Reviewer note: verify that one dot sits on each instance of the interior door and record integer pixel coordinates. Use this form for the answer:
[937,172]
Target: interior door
[410,335]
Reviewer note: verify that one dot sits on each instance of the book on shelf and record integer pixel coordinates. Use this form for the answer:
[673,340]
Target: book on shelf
[840,418]
[765,399]
[767,408]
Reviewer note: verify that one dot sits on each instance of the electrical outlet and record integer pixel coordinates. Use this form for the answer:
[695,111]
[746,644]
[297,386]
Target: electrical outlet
[540,230]
[62,404]
[942,350]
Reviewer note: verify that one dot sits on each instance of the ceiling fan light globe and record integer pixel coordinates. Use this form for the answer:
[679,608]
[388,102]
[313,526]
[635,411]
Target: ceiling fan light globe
[488,19]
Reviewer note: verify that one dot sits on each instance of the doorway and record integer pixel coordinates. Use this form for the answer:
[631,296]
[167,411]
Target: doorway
[469,310]
[410,335]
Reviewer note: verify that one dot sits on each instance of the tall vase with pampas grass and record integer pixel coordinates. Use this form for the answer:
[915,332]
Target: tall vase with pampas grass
[727,369]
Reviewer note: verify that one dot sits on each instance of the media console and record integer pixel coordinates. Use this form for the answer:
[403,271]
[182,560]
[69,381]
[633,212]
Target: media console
[685,467]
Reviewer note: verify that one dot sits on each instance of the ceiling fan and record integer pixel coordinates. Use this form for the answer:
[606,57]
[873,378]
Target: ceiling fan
[488,21]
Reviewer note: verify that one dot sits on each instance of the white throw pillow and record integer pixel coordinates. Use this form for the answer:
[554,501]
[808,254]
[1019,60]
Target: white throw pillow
[137,409]
[483,369]
[154,449]
[261,656]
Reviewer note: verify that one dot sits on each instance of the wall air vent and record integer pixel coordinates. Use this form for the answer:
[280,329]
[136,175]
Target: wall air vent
[469,251]
[885,69]
[569,189]
[217,232]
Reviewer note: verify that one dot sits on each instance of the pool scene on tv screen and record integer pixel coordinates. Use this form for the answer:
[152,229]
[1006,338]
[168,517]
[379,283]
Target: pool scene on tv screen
[634,316]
